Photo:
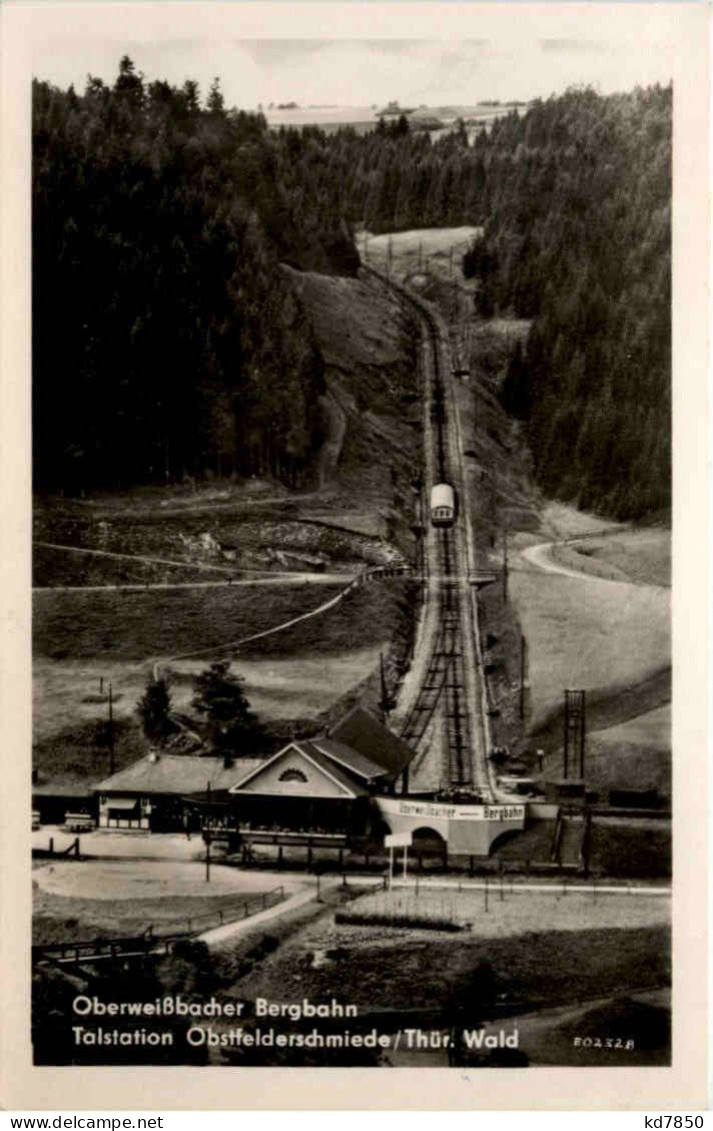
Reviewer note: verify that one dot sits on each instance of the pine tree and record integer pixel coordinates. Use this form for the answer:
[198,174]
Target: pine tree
[219,696]
[154,710]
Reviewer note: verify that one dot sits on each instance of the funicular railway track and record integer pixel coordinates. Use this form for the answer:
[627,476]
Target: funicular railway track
[449,689]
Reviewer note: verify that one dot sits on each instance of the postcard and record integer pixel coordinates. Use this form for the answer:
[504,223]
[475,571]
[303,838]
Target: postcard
[356,416]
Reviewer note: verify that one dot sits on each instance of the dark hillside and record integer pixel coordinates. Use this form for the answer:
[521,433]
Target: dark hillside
[372,409]
[578,238]
[166,343]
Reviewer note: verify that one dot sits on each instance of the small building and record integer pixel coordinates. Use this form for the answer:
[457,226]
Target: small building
[162,792]
[322,786]
[309,787]
[52,801]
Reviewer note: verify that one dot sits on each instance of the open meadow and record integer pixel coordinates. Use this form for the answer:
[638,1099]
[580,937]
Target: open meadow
[599,635]
[596,615]
[82,638]
[415,251]
[66,692]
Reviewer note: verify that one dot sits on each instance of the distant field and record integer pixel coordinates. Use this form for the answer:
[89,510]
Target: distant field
[435,246]
[139,625]
[562,521]
[364,118]
[652,728]
[83,638]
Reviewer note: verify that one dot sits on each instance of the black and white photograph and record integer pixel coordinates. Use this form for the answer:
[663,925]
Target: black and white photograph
[352,509]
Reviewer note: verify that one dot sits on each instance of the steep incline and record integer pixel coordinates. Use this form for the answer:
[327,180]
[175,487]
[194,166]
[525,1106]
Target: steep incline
[441,704]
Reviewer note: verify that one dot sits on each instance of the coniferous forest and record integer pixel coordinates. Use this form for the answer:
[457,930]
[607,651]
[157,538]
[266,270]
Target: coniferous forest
[168,342]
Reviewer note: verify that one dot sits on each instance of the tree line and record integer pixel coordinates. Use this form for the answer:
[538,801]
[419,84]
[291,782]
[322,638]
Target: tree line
[167,342]
[577,238]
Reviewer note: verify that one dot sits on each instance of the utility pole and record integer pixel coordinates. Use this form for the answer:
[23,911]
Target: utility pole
[111,733]
[523,665]
[207,837]
[505,564]
[389,251]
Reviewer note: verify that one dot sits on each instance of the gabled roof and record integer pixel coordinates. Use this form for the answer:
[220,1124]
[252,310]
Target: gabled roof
[176,774]
[351,759]
[364,733]
[336,772]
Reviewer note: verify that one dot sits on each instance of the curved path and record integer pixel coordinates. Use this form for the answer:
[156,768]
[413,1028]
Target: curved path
[541,557]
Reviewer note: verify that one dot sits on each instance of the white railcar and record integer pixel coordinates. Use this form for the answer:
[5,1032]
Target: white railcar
[442,505]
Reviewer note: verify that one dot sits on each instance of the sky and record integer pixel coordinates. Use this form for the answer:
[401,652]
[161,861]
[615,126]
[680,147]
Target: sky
[328,60]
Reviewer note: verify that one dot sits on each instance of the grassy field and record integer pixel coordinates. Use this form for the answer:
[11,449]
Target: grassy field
[641,556]
[588,633]
[511,911]
[560,521]
[631,850]
[82,637]
[66,692]
[642,744]
[652,729]
[578,557]
[112,626]
[607,631]
[419,248]
[375,968]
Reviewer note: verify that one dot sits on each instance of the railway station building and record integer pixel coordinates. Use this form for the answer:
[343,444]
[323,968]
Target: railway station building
[164,792]
[321,787]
